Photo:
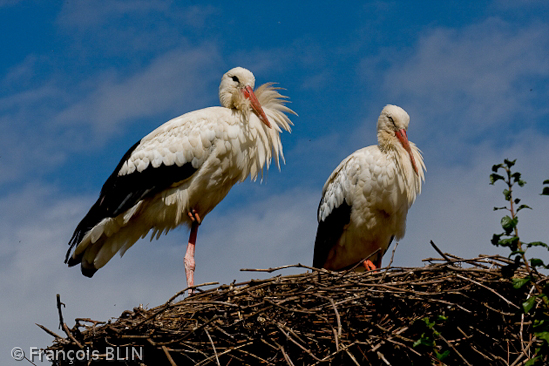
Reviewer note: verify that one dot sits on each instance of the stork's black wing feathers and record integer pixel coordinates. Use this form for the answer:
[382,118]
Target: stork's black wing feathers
[329,231]
[120,193]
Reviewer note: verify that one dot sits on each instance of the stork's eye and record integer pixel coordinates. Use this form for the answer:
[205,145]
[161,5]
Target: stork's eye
[391,119]
[235,79]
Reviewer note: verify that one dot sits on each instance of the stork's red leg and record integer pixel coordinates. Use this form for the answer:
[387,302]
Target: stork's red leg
[190,263]
[369,265]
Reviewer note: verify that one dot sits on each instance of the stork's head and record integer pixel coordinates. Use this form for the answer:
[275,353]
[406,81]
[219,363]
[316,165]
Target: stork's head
[236,91]
[392,125]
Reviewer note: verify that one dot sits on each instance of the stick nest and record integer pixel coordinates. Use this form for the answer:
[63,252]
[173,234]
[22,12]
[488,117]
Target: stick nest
[453,311]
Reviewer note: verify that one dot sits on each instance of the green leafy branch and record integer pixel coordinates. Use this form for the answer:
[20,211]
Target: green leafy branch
[510,238]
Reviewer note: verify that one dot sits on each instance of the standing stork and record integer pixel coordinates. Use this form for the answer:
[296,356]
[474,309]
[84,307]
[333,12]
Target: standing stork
[180,171]
[366,198]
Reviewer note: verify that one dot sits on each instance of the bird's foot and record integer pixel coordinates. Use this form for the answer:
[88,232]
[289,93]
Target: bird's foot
[369,265]
[194,216]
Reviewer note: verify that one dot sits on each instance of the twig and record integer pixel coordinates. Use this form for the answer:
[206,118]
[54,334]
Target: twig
[393,255]
[489,289]
[382,357]
[352,357]
[57,336]
[168,356]
[189,288]
[62,324]
[454,349]
[440,252]
[59,303]
[286,357]
[337,318]
[213,346]
[522,322]
[273,269]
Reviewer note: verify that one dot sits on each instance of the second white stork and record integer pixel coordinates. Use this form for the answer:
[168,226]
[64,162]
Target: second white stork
[180,171]
[366,199]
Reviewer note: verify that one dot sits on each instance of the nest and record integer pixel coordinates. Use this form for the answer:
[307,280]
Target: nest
[453,311]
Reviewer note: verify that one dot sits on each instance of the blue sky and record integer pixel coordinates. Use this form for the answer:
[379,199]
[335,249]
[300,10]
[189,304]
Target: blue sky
[81,81]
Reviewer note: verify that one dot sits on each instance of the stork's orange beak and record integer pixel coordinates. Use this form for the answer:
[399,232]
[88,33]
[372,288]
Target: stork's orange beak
[403,138]
[256,106]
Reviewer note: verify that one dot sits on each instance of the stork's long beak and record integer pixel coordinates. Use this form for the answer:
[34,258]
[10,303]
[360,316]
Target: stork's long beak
[403,138]
[256,106]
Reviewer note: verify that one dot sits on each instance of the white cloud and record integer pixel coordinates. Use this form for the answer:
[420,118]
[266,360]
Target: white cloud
[174,82]
[472,83]
[42,123]
[120,28]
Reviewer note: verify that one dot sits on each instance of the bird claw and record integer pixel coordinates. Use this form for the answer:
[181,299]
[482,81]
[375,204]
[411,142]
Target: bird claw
[193,215]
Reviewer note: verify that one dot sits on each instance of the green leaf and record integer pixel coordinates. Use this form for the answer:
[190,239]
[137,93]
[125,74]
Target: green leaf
[521,183]
[529,304]
[424,341]
[500,208]
[495,177]
[537,244]
[510,242]
[515,252]
[429,323]
[538,323]
[442,318]
[543,335]
[507,194]
[545,191]
[536,262]
[545,181]
[443,355]
[523,206]
[496,167]
[517,200]
[509,163]
[508,224]
[519,282]
[516,176]
[495,239]
[532,361]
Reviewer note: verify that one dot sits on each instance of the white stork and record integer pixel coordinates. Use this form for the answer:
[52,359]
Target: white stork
[366,198]
[180,171]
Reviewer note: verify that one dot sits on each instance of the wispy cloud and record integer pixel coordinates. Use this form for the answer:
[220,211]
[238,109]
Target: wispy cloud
[42,122]
[174,82]
[472,83]
[120,28]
